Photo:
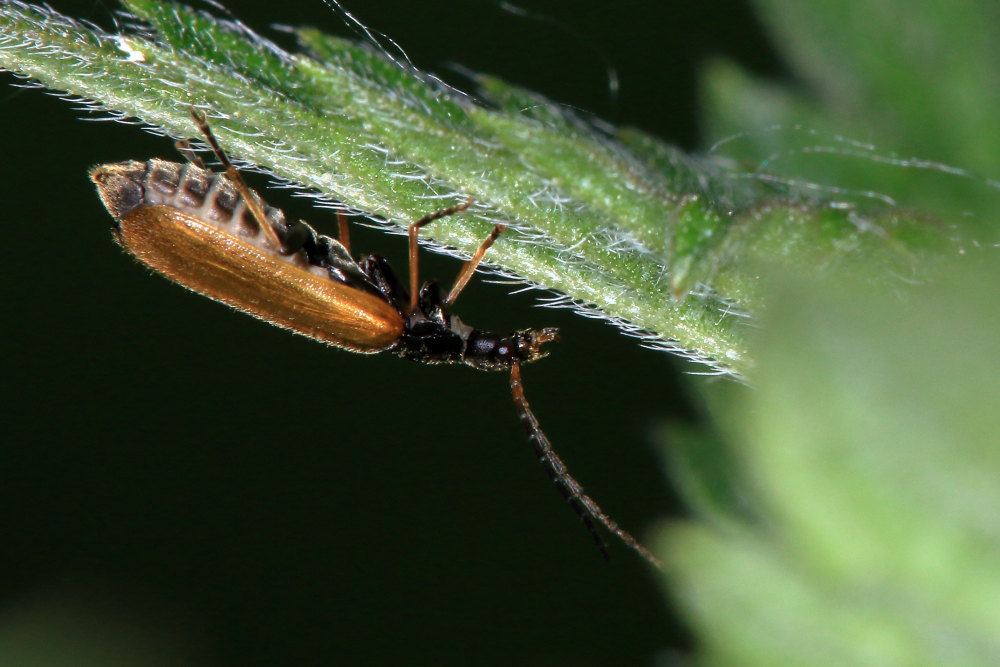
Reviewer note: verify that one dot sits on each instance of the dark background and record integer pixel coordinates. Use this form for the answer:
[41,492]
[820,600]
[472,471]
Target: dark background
[236,494]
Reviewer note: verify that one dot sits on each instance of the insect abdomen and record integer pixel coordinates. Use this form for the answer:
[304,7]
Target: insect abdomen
[188,225]
[184,187]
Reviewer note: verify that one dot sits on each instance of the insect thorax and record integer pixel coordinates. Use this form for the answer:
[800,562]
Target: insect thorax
[432,335]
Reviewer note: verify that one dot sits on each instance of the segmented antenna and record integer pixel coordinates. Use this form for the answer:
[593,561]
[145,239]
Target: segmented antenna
[584,506]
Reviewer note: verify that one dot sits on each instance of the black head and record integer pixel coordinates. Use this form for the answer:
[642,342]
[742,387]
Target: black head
[491,352]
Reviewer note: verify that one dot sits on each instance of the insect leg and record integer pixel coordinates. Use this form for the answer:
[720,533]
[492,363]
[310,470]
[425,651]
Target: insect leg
[470,267]
[183,147]
[584,506]
[249,196]
[344,232]
[414,228]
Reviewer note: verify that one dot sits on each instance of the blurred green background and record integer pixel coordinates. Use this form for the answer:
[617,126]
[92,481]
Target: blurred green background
[184,484]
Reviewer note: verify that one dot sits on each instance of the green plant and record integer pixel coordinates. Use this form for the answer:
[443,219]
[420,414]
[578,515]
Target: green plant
[850,517]
[623,227]
[847,506]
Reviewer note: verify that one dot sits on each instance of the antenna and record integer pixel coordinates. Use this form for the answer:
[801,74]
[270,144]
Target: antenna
[584,506]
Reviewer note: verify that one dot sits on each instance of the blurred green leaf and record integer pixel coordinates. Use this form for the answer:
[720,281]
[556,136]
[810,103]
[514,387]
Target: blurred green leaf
[894,99]
[869,451]
[866,451]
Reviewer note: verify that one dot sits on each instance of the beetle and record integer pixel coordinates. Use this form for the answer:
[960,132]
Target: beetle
[212,234]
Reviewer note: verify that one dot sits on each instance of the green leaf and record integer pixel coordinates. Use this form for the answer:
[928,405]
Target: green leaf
[869,456]
[866,453]
[617,224]
[896,99]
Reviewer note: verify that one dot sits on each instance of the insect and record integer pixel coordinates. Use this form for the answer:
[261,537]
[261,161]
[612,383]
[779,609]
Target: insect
[210,233]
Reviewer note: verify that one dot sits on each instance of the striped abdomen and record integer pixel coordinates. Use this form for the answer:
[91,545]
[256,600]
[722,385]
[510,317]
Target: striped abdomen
[200,193]
[192,226]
